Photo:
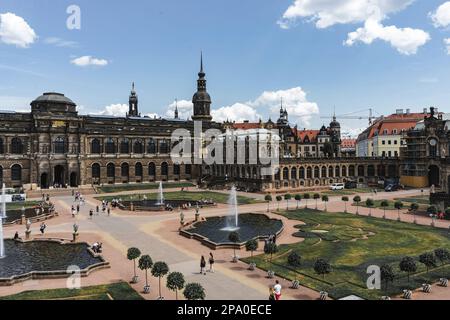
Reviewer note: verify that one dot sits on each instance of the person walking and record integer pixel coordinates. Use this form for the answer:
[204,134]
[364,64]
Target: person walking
[91,213]
[211,262]
[42,228]
[202,265]
[78,208]
[277,290]
[109,211]
[97,210]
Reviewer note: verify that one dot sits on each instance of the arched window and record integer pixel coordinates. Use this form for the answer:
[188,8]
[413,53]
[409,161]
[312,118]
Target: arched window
[125,170]
[110,146]
[163,146]
[324,172]
[188,169]
[344,171]
[16,146]
[337,172]
[96,147]
[351,171]
[302,173]
[286,174]
[96,171]
[361,171]
[330,172]
[371,171]
[111,170]
[309,173]
[138,147]
[125,146]
[59,146]
[151,169]
[176,169]
[164,169]
[294,173]
[16,173]
[316,172]
[1,176]
[138,172]
[151,148]
[2,147]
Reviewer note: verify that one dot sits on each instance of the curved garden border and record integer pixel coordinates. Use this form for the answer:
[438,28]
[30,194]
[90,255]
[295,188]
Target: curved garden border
[215,246]
[56,274]
[42,217]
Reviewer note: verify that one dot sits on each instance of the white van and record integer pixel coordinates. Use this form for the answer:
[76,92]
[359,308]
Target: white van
[337,186]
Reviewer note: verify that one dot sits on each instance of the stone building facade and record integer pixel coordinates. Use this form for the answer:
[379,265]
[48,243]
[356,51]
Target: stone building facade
[54,146]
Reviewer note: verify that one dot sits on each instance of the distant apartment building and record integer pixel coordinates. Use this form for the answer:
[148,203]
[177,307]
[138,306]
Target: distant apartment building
[386,136]
[348,148]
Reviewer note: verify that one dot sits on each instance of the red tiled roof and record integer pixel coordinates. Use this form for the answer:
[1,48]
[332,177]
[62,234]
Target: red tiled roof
[393,122]
[246,125]
[311,134]
[348,143]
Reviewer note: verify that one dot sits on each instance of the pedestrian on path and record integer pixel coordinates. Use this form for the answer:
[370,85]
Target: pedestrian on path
[202,265]
[42,228]
[211,262]
[277,290]
[109,211]
[97,210]
[91,213]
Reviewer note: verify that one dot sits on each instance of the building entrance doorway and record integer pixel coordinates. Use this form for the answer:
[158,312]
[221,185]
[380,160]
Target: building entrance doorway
[44,181]
[59,176]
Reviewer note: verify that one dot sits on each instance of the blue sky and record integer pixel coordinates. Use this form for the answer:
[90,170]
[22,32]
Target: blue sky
[157,44]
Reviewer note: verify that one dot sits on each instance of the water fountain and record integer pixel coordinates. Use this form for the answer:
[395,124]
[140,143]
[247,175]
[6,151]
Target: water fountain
[160,195]
[233,214]
[2,216]
[215,231]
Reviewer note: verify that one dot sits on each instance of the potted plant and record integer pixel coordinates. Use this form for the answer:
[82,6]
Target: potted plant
[234,238]
[345,199]
[146,263]
[194,291]
[132,255]
[175,282]
[159,270]
[269,199]
[357,200]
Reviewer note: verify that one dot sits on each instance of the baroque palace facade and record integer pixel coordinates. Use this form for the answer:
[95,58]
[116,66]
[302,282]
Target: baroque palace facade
[54,146]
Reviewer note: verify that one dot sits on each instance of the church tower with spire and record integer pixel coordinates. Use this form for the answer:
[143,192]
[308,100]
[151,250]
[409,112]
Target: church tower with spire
[133,103]
[201,99]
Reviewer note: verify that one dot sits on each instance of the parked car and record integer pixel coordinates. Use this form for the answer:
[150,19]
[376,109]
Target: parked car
[337,186]
[393,188]
[351,185]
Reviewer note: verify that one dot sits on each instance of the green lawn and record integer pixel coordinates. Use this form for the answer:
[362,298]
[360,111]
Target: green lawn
[19,205]
[347,192]
[425,200]
[186,195]
[141,186]
[116,291]
[350,245]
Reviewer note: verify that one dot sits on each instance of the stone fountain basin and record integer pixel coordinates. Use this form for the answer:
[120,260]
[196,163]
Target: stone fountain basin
[15,216]
[212,232]
[152,205]
[42,259]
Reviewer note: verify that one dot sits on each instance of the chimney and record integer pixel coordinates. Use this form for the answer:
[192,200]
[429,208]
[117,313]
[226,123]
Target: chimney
[408,111]
[425,111]
[399,112]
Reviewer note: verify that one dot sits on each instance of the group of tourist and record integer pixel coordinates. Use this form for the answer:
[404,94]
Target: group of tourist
[203,264]
[78,196]
[97,247]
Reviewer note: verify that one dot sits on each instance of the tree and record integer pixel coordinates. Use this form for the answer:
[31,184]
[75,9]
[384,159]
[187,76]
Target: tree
[384,204]
[345,199]
[316,197]
[132,255]
[387,275]
[175,282]
[428,259]
[413,208]
[325,199]
[294,260]
[269,199]
[298,198]
[398,205]
[443,255]
[252,246]
[322,267]
[357,200]
[271,248]
[369,204]
[234,238]
[159,270]
[328,149]
[194,291]
[408,265]
[287,197]
[145,263]
[279,199]
[306,196]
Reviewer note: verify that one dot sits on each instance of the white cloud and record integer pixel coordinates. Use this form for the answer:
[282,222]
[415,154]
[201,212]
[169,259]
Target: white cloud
[447,45]
[351,132]
[58,42]
[116,110]
[185,109]
[238,112]
[294,100]
[406,40]
[441,17]
[86,61]
[326,13]
[16,31]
